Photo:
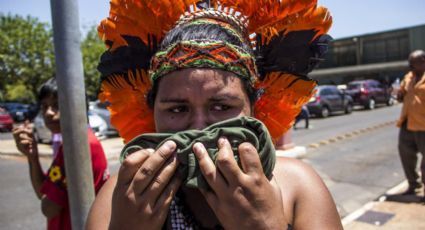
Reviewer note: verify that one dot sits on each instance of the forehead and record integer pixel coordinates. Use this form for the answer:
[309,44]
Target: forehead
[416,59]
[49,99]
[200,82]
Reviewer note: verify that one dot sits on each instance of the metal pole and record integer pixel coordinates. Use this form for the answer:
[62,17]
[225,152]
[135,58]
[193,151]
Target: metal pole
[71,92]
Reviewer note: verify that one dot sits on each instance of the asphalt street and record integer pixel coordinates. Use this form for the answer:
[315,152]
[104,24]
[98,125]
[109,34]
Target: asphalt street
[357,169]
[326,128]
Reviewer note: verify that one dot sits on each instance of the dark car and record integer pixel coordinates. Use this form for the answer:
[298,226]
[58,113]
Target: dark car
[368,93]
[329,99]
[6,121]
[18,111]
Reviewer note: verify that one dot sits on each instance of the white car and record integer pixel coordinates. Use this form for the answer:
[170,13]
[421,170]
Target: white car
[100,109]
[43,134]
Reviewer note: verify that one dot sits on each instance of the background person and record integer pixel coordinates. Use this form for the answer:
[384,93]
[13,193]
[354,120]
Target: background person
[51,187]
[304,114]
[412,121]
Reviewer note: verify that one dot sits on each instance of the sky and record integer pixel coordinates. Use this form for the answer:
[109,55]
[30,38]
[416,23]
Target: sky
[351,17]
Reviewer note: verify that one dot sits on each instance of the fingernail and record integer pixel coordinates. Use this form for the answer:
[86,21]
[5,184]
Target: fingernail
[198,148]
[222,141]
[150,151]
[170,144]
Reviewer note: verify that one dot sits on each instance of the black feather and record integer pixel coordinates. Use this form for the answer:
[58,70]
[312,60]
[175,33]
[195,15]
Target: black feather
[292,53]
[137,55]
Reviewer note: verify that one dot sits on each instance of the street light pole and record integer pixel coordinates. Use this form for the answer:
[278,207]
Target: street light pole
[72,105]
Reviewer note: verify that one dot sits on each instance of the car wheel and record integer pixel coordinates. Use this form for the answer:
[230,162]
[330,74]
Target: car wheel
[349,108]
[370,104]
[324,112]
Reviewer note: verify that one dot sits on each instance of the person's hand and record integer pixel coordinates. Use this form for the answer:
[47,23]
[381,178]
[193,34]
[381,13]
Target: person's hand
[25,141]
[240,198]
[145,188]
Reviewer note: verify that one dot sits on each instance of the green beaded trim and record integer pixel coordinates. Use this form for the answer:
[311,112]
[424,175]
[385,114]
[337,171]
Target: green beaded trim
[244,67]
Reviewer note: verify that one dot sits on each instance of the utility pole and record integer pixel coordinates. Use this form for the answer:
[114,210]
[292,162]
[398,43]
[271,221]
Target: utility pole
[72,105]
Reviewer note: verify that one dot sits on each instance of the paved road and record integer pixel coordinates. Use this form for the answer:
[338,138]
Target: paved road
[360,169]
[325,128]
[19,205]
[356,170]
[6,136]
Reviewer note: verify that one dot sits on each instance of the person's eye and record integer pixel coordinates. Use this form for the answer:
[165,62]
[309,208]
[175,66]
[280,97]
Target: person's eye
[56,106]
[220,107]
[178,109]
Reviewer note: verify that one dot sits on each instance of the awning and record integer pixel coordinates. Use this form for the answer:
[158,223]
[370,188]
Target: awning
[360,69]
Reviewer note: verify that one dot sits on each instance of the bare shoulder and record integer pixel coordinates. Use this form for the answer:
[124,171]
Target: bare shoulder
[295,173]
[307,200]
[100,212]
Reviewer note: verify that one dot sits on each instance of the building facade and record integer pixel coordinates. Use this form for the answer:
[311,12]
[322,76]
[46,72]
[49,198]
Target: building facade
[381,56]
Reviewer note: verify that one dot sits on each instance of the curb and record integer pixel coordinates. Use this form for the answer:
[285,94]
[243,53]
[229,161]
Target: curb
[295,152]
[368,206]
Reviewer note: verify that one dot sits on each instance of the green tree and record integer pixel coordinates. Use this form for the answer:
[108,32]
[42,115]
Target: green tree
[26,56]
[92,48]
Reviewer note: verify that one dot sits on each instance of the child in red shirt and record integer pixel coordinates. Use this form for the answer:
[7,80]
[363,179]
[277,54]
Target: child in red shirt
[51,188]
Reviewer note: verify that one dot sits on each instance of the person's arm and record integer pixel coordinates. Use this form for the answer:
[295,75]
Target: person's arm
[100,212]
[313,205]
[402,91]
[49,208]
[27,145]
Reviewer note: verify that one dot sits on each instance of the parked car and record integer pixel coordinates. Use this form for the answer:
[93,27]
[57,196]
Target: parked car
[101,109]
[368,93]
[18,111]
[329,99]
[43,134]
[98,125]
[6,121]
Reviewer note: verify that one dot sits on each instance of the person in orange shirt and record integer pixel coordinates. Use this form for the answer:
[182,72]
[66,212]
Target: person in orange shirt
[412,121]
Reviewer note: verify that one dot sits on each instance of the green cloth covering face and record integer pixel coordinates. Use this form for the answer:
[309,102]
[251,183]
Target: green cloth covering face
[236,130]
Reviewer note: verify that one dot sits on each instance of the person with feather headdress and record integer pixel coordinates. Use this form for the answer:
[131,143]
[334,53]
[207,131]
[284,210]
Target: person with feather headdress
[199,94]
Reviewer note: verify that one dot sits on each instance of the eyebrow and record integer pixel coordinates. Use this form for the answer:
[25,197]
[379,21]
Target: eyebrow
[226,96]
[221,97]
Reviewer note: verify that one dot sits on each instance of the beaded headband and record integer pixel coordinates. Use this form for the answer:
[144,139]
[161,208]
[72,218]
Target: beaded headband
[204,54]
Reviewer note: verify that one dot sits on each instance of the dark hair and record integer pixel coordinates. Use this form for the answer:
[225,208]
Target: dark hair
[48,88]
[203,31]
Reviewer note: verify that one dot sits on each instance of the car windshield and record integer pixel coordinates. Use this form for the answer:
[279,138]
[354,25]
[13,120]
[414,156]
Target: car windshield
[356,85]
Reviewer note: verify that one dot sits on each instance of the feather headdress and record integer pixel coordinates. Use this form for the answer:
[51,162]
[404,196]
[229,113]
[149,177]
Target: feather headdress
[288,38]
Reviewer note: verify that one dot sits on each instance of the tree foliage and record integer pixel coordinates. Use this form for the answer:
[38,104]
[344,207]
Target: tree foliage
[26,54]
[27,58]
[92,48]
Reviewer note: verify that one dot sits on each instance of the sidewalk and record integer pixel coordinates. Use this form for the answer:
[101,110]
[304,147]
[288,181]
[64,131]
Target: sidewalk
[111,146]
[391,211]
